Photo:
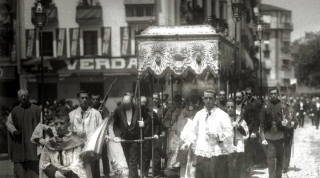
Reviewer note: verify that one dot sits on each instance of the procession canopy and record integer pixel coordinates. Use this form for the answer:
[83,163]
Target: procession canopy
[182,49]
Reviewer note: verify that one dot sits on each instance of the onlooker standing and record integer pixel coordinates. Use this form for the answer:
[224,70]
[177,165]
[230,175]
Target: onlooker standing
[21,122]
[84,121]
[273,129]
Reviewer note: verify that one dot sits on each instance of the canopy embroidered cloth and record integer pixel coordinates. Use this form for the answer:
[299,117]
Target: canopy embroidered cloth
[179,49]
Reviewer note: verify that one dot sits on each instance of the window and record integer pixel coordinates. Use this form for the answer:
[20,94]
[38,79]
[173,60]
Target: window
[46,3]
[267,72]
[50,91]
[47,47]
[286,81]
[90,43]
[286,43]
[266,47]
[286,36]
[266,36]
[285,64]
[266,54]
[285,18]
[89,2]
[93,87]
[139,10]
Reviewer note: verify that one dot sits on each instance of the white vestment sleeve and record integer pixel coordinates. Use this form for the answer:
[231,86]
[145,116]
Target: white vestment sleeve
[190,132]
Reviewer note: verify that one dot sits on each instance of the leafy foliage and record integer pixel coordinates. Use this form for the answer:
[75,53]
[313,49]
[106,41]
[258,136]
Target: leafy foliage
[306,54]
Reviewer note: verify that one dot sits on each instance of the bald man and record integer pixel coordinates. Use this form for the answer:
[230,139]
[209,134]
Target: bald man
[126,127]
[21,122]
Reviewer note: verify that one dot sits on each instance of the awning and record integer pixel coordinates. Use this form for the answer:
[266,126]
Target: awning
[248,60]
[89,15]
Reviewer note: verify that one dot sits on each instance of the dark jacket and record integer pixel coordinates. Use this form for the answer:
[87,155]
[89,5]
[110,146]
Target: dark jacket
[271,112]
[300,109]
[25,119]
[120,125]
[148,122]
[251,115]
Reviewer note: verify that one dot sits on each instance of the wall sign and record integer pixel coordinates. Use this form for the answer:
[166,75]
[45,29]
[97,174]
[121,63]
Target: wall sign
[101,64]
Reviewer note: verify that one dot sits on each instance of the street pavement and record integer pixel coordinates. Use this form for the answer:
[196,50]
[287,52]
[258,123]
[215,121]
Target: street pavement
[305,161]
[6,168]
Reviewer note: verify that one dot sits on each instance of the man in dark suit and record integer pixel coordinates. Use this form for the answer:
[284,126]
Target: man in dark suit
[316,112]
[126,126]
[301,110]
[147,145]
[253,150]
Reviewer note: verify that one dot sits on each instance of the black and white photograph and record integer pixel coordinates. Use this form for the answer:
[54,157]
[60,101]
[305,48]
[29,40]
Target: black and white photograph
[159,88]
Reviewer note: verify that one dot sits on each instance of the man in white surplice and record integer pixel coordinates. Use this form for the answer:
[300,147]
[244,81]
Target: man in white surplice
[211,138]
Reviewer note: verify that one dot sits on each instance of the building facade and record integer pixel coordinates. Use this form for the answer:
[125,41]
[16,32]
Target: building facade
[9,83]
[276,54]
[89,43]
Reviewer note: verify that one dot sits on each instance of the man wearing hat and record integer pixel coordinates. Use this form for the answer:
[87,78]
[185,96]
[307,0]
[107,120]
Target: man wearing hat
[211,137]
[273,131]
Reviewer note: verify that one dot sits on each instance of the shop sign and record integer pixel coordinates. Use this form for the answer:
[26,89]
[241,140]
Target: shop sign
[102,64]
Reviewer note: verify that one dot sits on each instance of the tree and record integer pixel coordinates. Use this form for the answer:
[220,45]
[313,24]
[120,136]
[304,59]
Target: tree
[306,54]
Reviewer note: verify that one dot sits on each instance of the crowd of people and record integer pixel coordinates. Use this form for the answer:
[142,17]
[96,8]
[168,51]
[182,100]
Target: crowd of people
[202,135]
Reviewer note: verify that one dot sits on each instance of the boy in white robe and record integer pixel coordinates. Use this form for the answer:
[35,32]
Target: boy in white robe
[60,156]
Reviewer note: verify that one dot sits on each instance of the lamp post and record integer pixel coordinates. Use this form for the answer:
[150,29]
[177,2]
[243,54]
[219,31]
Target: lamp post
[237,9]
[40,20]
[259,32]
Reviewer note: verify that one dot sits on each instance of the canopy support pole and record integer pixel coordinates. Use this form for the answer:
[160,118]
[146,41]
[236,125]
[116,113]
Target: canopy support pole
[163,146]
[152,127]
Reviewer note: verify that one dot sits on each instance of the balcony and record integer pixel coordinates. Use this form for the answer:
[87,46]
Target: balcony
[89,15]
[266,25]
[139,11]
[287,26]
[285,49]
[52,13]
